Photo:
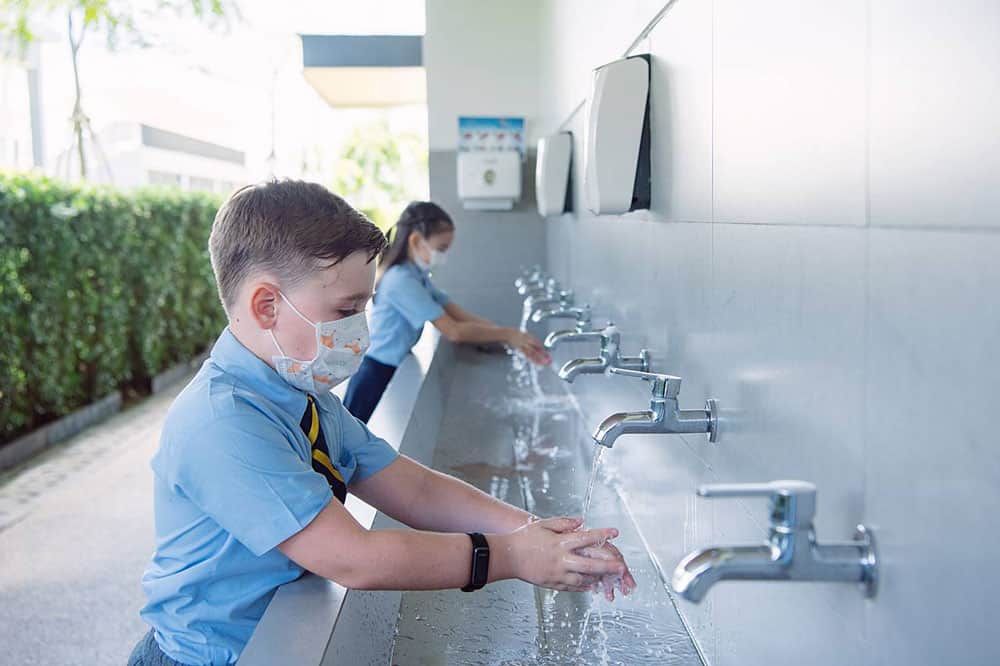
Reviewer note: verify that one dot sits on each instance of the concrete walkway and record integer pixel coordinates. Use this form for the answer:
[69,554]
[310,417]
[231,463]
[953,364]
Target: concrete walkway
[76,532]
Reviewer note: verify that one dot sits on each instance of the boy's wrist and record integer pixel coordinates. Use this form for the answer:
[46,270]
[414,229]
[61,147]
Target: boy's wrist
[510,519]
[503,557]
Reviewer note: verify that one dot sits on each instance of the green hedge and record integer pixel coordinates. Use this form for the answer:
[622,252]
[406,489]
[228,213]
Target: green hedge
[99,290]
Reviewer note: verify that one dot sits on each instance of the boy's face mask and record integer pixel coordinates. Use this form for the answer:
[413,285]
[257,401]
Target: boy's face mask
[340,346]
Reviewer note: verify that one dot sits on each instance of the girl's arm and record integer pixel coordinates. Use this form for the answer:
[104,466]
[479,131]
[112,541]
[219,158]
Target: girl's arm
[461,314]
[474,331]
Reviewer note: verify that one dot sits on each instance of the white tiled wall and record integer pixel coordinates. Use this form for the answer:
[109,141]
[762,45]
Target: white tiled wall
[490,246]
[822,257]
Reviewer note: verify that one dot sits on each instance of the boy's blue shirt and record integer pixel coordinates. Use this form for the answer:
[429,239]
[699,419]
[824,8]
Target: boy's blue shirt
[233,478]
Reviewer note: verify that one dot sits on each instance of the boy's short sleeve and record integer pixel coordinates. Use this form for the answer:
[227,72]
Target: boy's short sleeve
[415,302]
[372,454]
[243,472]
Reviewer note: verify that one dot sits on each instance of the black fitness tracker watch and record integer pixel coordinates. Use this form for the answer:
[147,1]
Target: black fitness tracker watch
[480,562]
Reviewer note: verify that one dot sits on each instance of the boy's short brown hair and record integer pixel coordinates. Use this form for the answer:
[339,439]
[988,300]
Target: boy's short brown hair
[288,228]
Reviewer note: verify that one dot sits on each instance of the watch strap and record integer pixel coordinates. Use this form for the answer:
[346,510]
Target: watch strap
[480,563]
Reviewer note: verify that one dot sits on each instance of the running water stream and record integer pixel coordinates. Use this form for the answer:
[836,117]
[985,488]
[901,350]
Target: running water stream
[595,468]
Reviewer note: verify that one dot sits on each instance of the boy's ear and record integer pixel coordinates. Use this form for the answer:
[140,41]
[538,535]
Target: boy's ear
[264,299]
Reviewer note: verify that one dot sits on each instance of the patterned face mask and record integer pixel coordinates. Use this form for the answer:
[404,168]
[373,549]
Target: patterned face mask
[340,346]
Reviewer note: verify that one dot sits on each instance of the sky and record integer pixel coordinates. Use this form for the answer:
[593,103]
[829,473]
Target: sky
[218,85]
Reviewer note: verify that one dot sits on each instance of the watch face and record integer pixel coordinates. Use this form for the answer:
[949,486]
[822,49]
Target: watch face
[480,562]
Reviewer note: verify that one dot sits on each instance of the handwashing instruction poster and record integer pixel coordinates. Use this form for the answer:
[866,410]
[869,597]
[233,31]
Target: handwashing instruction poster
[477,133]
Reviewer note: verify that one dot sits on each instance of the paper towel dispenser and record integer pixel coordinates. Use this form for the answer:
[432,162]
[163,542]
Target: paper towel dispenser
[552,172]
[489,180]
[616,157]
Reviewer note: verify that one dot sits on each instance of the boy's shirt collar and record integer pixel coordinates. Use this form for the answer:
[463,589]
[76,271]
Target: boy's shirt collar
[234,358]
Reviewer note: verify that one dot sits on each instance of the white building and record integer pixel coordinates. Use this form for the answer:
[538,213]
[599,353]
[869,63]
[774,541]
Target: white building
[130,154]
[20,107]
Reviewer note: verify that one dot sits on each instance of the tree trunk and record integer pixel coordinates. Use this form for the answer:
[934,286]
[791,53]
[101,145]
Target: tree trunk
[78,119]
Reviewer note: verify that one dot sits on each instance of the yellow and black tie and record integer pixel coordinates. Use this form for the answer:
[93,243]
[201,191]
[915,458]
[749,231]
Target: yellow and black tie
[320,453]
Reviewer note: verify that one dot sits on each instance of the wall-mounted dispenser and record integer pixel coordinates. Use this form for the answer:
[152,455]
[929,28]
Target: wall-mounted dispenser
[616,172]
[552,174]
[489,180]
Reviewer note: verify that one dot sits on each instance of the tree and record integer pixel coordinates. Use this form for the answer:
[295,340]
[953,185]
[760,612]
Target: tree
[118,20]
[379,172]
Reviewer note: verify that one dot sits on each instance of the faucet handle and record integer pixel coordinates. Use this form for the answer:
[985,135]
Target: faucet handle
[664,386]
[793,503]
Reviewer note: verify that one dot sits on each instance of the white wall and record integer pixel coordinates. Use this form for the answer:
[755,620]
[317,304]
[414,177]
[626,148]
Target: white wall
[821,257]
[482,60]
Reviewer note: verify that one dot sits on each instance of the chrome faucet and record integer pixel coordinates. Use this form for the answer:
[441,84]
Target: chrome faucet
[530,276]
[663,416]
[560,303]
[541,286]
[790,552]
[550,295]
[610,357]
[562,311]
[581,332]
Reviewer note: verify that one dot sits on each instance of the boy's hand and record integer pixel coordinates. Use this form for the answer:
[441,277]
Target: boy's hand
[626,583]
[530,346]
[547,553]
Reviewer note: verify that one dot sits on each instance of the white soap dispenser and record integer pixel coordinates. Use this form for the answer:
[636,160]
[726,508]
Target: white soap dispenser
[552,170]
[616,158]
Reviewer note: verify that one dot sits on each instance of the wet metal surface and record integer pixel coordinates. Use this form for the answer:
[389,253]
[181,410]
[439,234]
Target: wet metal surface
[520,438]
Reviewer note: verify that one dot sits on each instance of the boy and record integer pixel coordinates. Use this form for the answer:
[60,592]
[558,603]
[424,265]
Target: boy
[256,455]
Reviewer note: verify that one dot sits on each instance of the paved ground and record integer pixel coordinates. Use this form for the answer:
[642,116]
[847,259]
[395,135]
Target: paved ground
[76,531]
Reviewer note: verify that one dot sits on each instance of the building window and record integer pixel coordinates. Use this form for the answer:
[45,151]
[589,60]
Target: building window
[164,178]
[201,184]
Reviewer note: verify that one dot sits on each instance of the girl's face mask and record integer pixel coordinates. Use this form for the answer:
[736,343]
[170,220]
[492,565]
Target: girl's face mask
[437,257]
[340,347]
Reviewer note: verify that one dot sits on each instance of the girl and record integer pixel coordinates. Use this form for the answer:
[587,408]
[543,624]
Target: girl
[406,298]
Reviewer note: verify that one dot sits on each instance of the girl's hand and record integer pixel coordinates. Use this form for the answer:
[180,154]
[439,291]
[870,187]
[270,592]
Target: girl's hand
[530,346]
[546,553]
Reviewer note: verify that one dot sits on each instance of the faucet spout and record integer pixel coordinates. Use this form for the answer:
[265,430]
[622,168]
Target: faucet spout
[571,335]
[699,571]
[580,366]
[616,425]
